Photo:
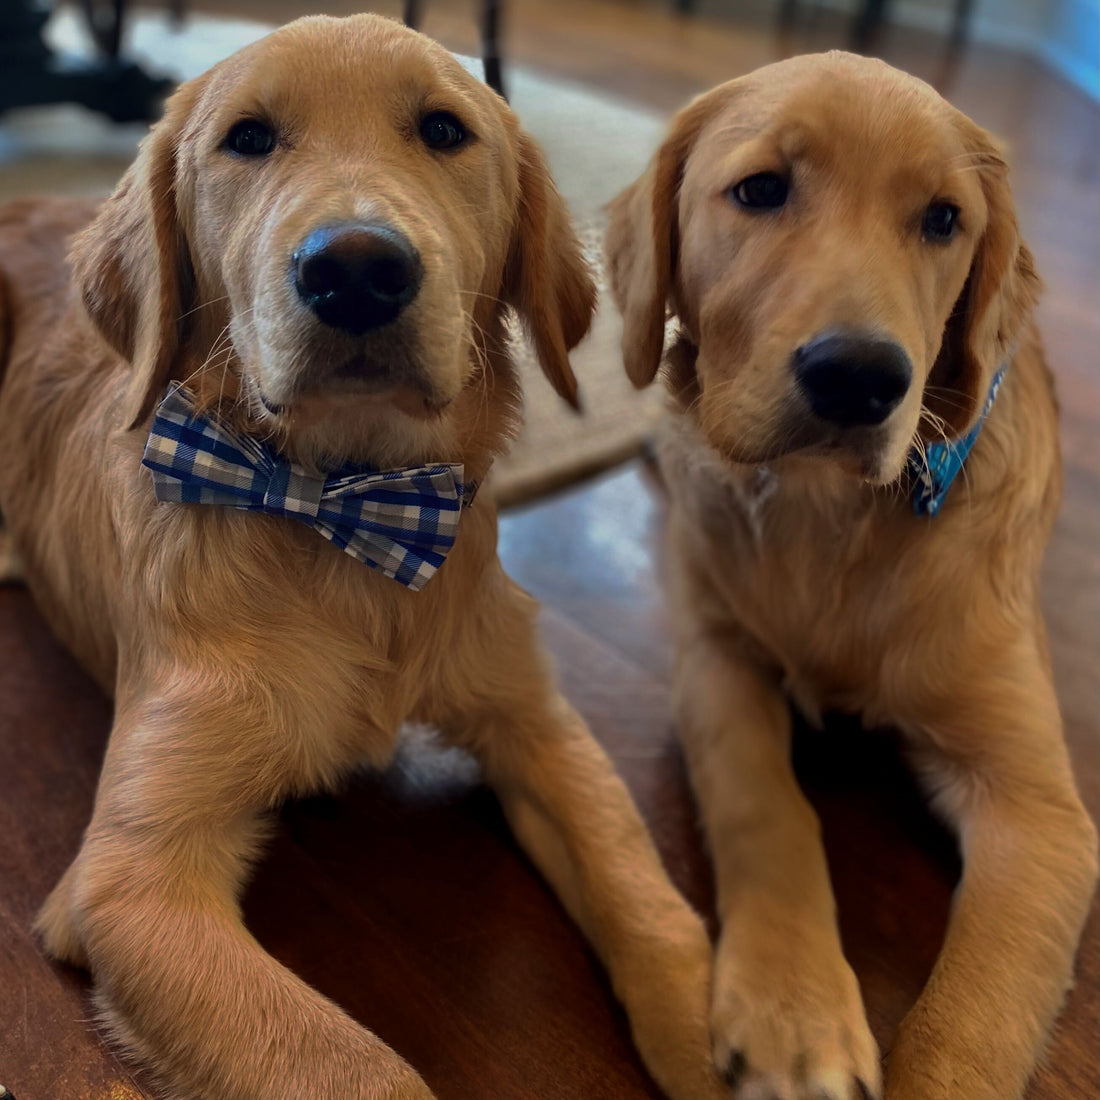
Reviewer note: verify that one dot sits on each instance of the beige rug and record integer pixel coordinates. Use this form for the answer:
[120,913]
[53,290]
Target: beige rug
[595,147]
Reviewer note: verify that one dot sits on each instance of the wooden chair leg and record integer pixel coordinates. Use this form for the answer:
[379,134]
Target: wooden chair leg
[868,24]
[114,32]
[960,26]
[490,46]
[490,38]
[788,9]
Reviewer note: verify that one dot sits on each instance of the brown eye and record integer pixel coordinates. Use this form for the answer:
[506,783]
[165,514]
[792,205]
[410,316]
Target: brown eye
[940,221]
[250,138]
[764,191]
[441,130]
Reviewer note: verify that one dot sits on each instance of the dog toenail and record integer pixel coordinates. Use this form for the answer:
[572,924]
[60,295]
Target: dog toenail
[735,1069]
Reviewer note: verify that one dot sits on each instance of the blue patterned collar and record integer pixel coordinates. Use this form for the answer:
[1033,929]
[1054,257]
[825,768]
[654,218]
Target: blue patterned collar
[934,472]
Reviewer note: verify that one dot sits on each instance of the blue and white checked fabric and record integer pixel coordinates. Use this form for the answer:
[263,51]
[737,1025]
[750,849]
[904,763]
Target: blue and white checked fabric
[933,478]
[401,522]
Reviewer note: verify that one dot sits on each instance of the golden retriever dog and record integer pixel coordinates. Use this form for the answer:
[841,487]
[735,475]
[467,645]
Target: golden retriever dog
[316,247]
[839,249]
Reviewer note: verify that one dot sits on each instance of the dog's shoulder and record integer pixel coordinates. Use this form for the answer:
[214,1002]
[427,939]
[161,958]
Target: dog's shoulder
[40,227]
[34,243]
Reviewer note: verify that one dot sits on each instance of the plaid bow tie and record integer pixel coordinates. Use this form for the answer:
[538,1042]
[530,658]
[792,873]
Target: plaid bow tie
[934,472]
[401,522]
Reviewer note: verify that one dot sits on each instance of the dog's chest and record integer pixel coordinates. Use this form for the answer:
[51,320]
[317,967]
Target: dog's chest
[391,645]
[816,591]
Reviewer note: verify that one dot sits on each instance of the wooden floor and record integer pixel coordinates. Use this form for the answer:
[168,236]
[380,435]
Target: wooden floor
[404,898]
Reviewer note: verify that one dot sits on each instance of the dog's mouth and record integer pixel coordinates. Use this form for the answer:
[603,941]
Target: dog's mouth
[360,379]
[866,460]
[862,454]
[362,376]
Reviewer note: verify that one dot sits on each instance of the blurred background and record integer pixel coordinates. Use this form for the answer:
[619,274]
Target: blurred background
[625,43]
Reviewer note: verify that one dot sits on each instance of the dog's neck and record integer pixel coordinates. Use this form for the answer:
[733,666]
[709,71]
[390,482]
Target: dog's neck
[472,431]
[798,484]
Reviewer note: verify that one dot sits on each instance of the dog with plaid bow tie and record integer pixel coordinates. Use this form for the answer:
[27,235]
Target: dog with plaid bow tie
[239,446]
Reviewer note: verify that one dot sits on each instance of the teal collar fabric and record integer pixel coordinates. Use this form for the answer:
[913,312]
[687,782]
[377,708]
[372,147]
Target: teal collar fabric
[934,472]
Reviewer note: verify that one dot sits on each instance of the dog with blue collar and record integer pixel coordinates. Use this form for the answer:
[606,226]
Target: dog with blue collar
[862,470]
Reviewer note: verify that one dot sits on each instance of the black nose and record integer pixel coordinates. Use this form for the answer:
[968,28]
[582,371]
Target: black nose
[357,277]
[852,379]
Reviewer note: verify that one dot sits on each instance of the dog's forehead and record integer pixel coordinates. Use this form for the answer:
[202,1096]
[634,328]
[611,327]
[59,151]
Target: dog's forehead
[343,70]
[837,107]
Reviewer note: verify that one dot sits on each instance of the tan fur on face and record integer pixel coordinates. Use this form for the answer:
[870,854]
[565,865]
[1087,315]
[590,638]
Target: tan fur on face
[799,573]
[250,659]
[204,239]
[756,285]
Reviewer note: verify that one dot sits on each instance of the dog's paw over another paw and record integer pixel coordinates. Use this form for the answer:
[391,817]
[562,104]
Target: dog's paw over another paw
[793,1033]
[748,1083]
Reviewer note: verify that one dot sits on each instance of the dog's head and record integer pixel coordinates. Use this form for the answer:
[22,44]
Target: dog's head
[327,225]
[840,247]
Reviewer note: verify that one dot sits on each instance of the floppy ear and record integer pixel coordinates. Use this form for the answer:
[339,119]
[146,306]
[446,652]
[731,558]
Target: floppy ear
[996,302]
[547,279]
[132,267]
[641,242]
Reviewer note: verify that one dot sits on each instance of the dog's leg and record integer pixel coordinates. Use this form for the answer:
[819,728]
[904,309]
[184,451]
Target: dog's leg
[151,906]
[578,823]
[787,1017]
[999,770]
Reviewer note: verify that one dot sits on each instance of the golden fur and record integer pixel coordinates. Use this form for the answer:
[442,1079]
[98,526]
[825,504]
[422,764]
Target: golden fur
[250,660]
[797,567]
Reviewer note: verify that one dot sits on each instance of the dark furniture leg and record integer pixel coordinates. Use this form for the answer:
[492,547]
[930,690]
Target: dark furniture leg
[105,23]
[867,24]
[411,13]
[874,12]
[490,46]
[960,26]
[490,38]
[31,76]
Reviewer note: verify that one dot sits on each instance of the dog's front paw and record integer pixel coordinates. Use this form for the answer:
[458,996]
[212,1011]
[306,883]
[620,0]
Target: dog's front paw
[787,1020]
[666,993]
